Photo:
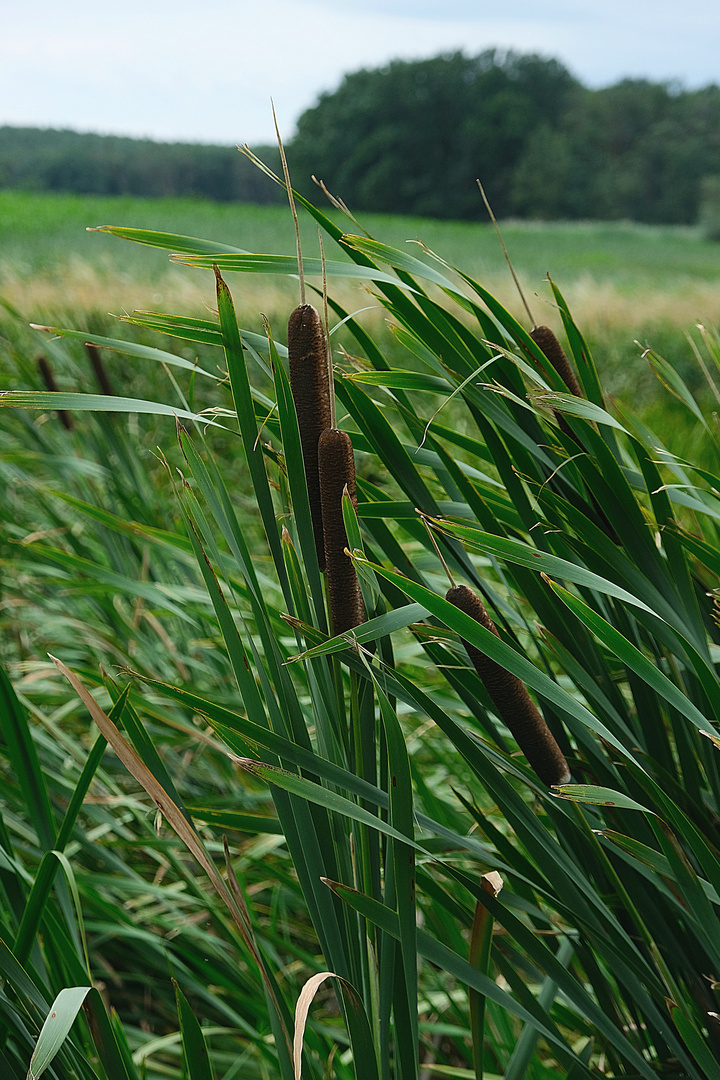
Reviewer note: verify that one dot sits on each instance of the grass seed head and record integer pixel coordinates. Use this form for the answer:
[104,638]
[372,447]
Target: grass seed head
[511,699]
[337,472]
[310,385]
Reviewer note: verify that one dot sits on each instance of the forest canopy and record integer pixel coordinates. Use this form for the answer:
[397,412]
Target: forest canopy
[412,137]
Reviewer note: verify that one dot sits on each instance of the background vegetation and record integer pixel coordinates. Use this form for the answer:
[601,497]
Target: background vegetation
[412,137]
[131,544]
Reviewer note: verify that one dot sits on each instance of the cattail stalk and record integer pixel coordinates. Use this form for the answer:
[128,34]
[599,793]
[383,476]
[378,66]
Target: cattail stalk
[103,379]
[46,373]
[511,699]
[337,475]
[545,339]
[310,385]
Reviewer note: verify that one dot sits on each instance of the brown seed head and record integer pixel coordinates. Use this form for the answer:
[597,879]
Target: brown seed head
[511,699]
[310,385]
[46,373]
[337,471]
[545,339]
[100,370]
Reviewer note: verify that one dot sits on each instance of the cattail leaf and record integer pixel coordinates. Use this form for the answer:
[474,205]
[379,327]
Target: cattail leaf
[364,1049]
[128,348]
[372,630]
[287,265]
[199,330]
[178,546]
[63,1014]
[195,1052]
[242,397]
[501,653]
[653,864]
[400,877]
[379,431]
[157,593]
[670,379]
[524,1051]
[117,1065]
[617,948]
[237,653]
[515,551]
[696,902]
[401,261]
[570,405]
[23,758]
[401,380]
[587,793]
[40,399]
[322,796]
[45,876]
[258,824]
[455,965]
[694,1041]
[169,241]
[58,1024]
[583,357]
[23,985]
[369,586]
[631,656]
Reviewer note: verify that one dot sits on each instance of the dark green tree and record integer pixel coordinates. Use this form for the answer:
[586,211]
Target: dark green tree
[412,137]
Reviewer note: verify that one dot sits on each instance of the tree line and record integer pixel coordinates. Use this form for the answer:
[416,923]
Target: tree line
[37,159]
[412,137]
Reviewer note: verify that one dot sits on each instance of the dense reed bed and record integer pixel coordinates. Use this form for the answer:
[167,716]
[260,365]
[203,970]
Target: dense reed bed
[280,808]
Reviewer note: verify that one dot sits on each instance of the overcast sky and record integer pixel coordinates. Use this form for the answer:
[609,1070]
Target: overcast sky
[205,70]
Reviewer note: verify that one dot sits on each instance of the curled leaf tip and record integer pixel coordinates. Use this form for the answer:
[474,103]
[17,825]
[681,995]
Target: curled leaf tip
[491,883]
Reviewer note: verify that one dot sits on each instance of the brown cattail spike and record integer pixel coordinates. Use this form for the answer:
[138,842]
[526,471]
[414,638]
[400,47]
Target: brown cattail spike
[546,341]
[337,472]
[46,373]
[98,367]
[310,385]
[511,699]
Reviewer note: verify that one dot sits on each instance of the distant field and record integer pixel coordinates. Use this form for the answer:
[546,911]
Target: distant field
[623,281]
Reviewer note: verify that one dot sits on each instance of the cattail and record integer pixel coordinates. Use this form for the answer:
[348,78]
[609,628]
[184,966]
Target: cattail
[337,472]
[511,699]
[98,367]
[310,385]
[546,341]
[48,378]
[553,350]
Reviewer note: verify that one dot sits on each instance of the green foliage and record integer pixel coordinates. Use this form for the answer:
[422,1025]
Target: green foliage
[413,136]
[36,159]
[710,208]
[367,782]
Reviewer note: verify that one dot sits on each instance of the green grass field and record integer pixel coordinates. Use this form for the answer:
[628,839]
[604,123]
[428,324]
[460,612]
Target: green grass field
[624,282]
[45,234]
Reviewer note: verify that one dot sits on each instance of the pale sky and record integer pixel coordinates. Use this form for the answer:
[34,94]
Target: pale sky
[206,70]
